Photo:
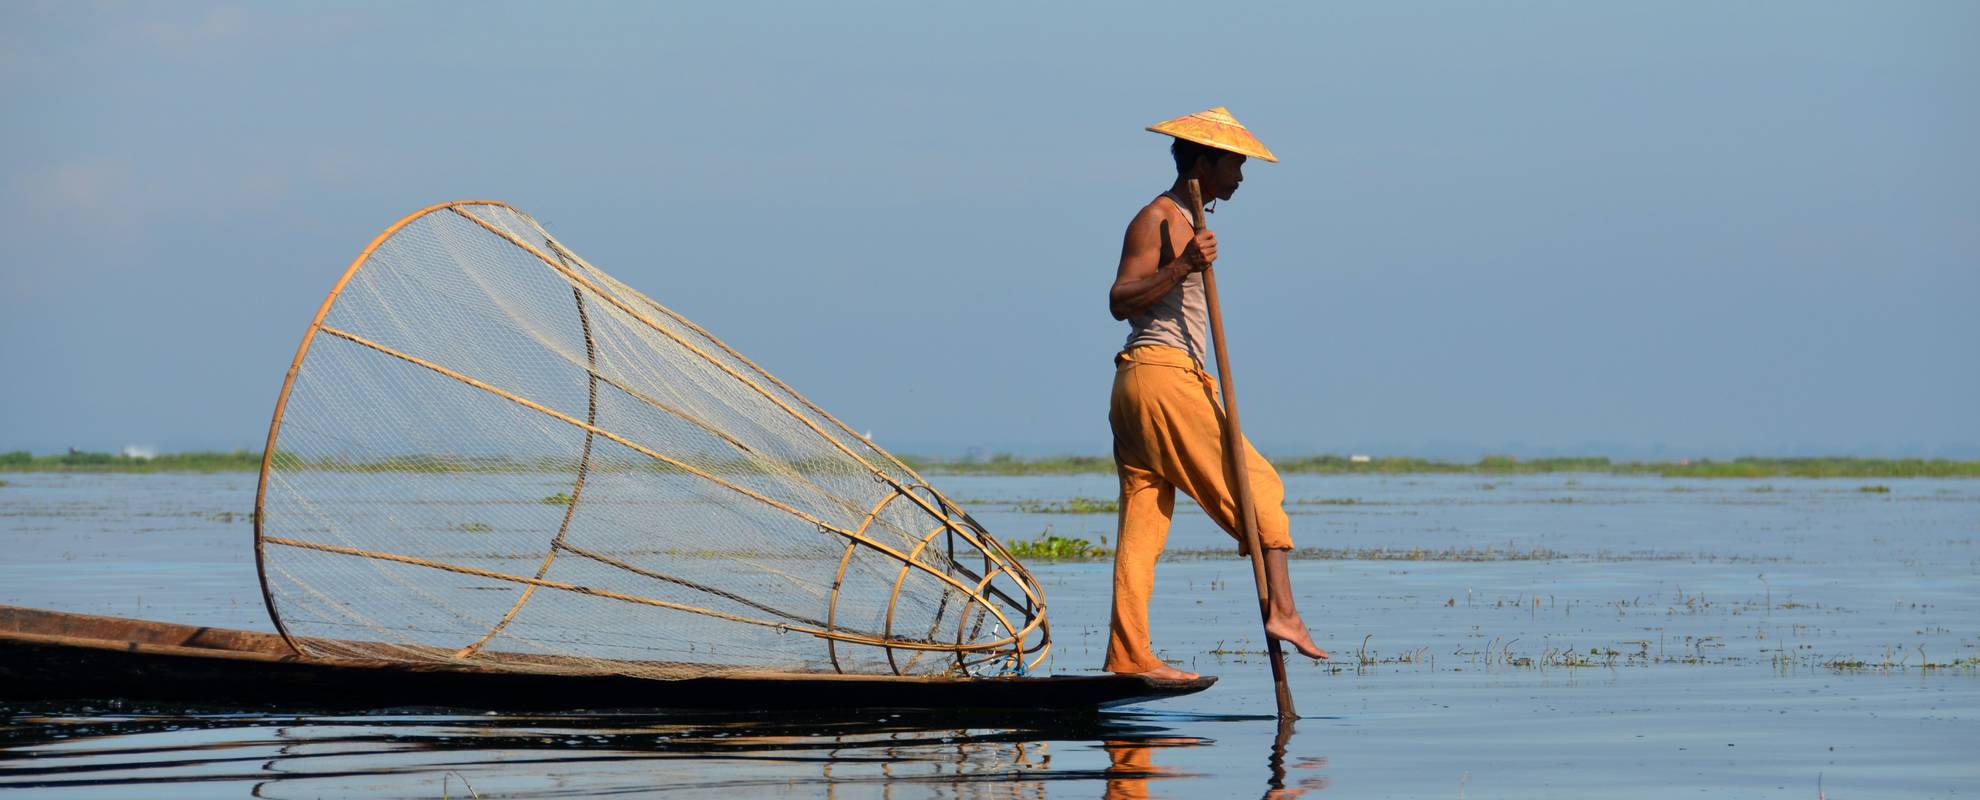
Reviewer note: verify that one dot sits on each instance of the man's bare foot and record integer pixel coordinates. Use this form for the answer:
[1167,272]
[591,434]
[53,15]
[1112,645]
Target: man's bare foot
[1167,673]
[1293,632]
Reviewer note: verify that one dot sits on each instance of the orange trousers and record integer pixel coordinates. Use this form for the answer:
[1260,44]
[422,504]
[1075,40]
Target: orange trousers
[1168,435]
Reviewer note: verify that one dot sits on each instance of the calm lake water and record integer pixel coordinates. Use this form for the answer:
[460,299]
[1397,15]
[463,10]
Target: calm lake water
[1547,636]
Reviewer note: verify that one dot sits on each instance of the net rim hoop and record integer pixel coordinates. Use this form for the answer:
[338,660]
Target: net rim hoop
[289,382]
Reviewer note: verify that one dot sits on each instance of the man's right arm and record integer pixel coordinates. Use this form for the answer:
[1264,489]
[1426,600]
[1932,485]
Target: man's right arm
[1149,268]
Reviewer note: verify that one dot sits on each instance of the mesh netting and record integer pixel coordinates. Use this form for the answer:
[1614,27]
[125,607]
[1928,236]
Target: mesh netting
[491,452]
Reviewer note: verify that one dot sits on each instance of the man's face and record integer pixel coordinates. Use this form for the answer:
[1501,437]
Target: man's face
[1226,172]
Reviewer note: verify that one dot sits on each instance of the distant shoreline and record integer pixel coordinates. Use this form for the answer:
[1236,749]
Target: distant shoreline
[1003,464]
[1744,467]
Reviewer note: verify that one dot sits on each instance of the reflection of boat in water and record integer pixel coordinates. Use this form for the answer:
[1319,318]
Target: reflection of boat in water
[49,655]
[696,753]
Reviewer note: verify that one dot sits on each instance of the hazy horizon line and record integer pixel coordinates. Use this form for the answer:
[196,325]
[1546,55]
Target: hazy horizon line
[1442,451]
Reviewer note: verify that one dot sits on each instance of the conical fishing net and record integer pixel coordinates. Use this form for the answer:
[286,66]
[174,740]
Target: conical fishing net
[491,452]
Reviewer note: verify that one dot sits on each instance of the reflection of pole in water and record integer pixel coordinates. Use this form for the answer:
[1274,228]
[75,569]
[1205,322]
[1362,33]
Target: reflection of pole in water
[1276,783]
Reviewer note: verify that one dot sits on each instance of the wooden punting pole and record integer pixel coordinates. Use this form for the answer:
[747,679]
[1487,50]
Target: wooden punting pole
[1234,452]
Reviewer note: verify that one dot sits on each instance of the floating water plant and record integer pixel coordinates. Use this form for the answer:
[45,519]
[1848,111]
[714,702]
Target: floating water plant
[1051,547]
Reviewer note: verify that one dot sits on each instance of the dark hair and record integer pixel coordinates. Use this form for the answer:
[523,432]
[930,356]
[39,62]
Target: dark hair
[1187,153]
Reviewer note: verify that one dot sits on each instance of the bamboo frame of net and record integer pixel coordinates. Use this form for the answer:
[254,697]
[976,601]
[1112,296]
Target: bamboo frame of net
[1021,619]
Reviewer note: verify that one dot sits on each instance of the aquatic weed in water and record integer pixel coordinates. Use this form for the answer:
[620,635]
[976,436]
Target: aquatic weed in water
[1051,547]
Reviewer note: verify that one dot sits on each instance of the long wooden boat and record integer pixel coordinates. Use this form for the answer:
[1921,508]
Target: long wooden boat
[52,655]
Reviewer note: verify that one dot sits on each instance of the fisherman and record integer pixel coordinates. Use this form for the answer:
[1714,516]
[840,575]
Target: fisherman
[1168,426]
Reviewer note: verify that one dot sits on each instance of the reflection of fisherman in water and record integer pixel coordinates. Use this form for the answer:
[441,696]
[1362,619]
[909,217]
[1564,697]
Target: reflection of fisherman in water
[1168,427]
[1131,765]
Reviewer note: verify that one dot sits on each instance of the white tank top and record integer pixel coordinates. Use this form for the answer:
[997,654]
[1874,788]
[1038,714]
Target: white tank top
[1181,319]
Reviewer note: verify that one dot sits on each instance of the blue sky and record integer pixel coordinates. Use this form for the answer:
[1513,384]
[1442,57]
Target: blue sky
[1629,229]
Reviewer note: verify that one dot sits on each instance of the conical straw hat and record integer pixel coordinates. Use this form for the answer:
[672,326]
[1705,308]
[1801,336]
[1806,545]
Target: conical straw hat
[1216,128]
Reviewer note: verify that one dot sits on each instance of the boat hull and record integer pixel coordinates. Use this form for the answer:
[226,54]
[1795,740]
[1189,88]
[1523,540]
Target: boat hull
[56,656]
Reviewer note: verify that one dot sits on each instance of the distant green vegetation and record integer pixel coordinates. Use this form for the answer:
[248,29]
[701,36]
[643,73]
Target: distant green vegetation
[1006,464]
[245,461]
[558,499]
[1405,465]
[1750,467]
[1838,467]
[236,461]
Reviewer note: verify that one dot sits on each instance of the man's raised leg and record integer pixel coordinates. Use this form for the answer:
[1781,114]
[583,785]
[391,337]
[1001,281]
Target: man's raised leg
[1284,623]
